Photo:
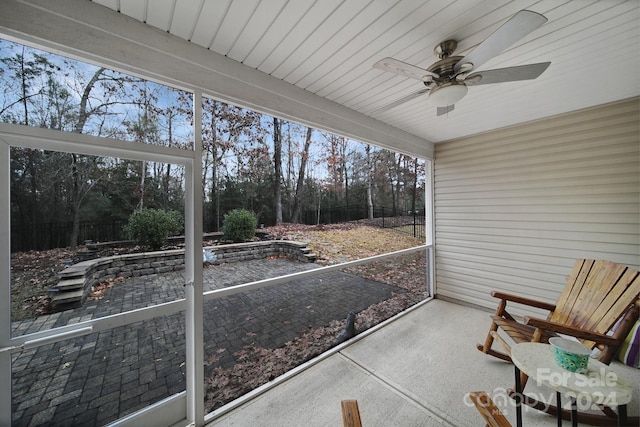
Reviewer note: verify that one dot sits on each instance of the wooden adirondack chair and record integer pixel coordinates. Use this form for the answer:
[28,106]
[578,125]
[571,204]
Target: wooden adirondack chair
[489,411]
[597,295]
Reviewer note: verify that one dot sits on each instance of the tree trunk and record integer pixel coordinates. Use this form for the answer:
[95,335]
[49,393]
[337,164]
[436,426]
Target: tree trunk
[167,176]
[369,183]
[392,177]
[83,116]
[215,197]
[289,178]
[398,205]
[75,203]
[344,175]
[415,185]
[142,184]
[34,192]
[76,225]
[277,160]
[318,209]
[213,147]
[25,104]
[297,206]
[167,180]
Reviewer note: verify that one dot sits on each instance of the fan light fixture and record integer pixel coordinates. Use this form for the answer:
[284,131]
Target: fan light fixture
[448,94]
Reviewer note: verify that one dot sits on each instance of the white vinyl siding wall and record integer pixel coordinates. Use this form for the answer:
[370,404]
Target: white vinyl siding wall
[515,208]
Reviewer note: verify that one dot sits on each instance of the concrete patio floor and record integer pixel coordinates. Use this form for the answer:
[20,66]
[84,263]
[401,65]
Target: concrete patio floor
[413,371]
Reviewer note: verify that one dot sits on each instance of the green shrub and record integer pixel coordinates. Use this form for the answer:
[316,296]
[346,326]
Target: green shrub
[151,227]
[239,225]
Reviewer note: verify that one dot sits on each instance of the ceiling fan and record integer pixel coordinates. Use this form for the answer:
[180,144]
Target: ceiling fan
[446,81]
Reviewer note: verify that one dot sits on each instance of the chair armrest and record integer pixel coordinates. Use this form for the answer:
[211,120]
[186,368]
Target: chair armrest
[521,300]
[571,330]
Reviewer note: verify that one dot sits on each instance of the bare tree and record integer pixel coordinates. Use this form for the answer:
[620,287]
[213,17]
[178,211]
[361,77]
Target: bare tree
[369,178]
[297,204]
[24,72]
[223,127]
[277,162]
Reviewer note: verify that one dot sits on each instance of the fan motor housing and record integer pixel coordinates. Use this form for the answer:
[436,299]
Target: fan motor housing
[445,67]
[445,49]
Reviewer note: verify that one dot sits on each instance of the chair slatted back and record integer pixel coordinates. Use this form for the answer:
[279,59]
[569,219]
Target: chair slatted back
[597,294]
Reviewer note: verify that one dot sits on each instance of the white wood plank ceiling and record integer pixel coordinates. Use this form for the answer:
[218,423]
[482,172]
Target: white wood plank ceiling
[328,47]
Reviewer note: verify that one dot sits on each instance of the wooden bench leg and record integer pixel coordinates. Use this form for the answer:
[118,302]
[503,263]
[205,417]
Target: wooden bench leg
[351,413]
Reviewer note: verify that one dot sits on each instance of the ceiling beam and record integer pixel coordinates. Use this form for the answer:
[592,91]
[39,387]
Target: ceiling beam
[87,31]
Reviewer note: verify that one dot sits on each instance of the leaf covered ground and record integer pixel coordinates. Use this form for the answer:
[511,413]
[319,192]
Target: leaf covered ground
[336,243]
[32,274]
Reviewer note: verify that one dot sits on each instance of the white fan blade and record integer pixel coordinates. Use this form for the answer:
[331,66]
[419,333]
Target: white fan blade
[509,74]
[521,24]
[402,100]
[403,69]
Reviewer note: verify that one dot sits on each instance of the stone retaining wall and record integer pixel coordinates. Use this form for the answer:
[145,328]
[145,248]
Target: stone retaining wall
[77,280]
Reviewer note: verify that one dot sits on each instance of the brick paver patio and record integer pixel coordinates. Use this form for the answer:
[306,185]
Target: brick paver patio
[95,379]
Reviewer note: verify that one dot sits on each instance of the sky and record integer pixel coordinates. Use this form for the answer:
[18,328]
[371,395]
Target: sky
[74,74]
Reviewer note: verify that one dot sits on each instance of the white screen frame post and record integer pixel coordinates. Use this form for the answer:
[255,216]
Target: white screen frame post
[5,284]
[193,275]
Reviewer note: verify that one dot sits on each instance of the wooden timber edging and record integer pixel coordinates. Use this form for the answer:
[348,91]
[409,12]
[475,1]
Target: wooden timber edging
[76,282]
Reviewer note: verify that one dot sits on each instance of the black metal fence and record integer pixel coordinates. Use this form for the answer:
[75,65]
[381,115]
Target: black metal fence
[25,237]
[409,222]
[413,223]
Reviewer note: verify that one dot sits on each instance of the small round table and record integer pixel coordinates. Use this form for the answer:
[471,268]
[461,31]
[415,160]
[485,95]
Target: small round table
[600,385]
